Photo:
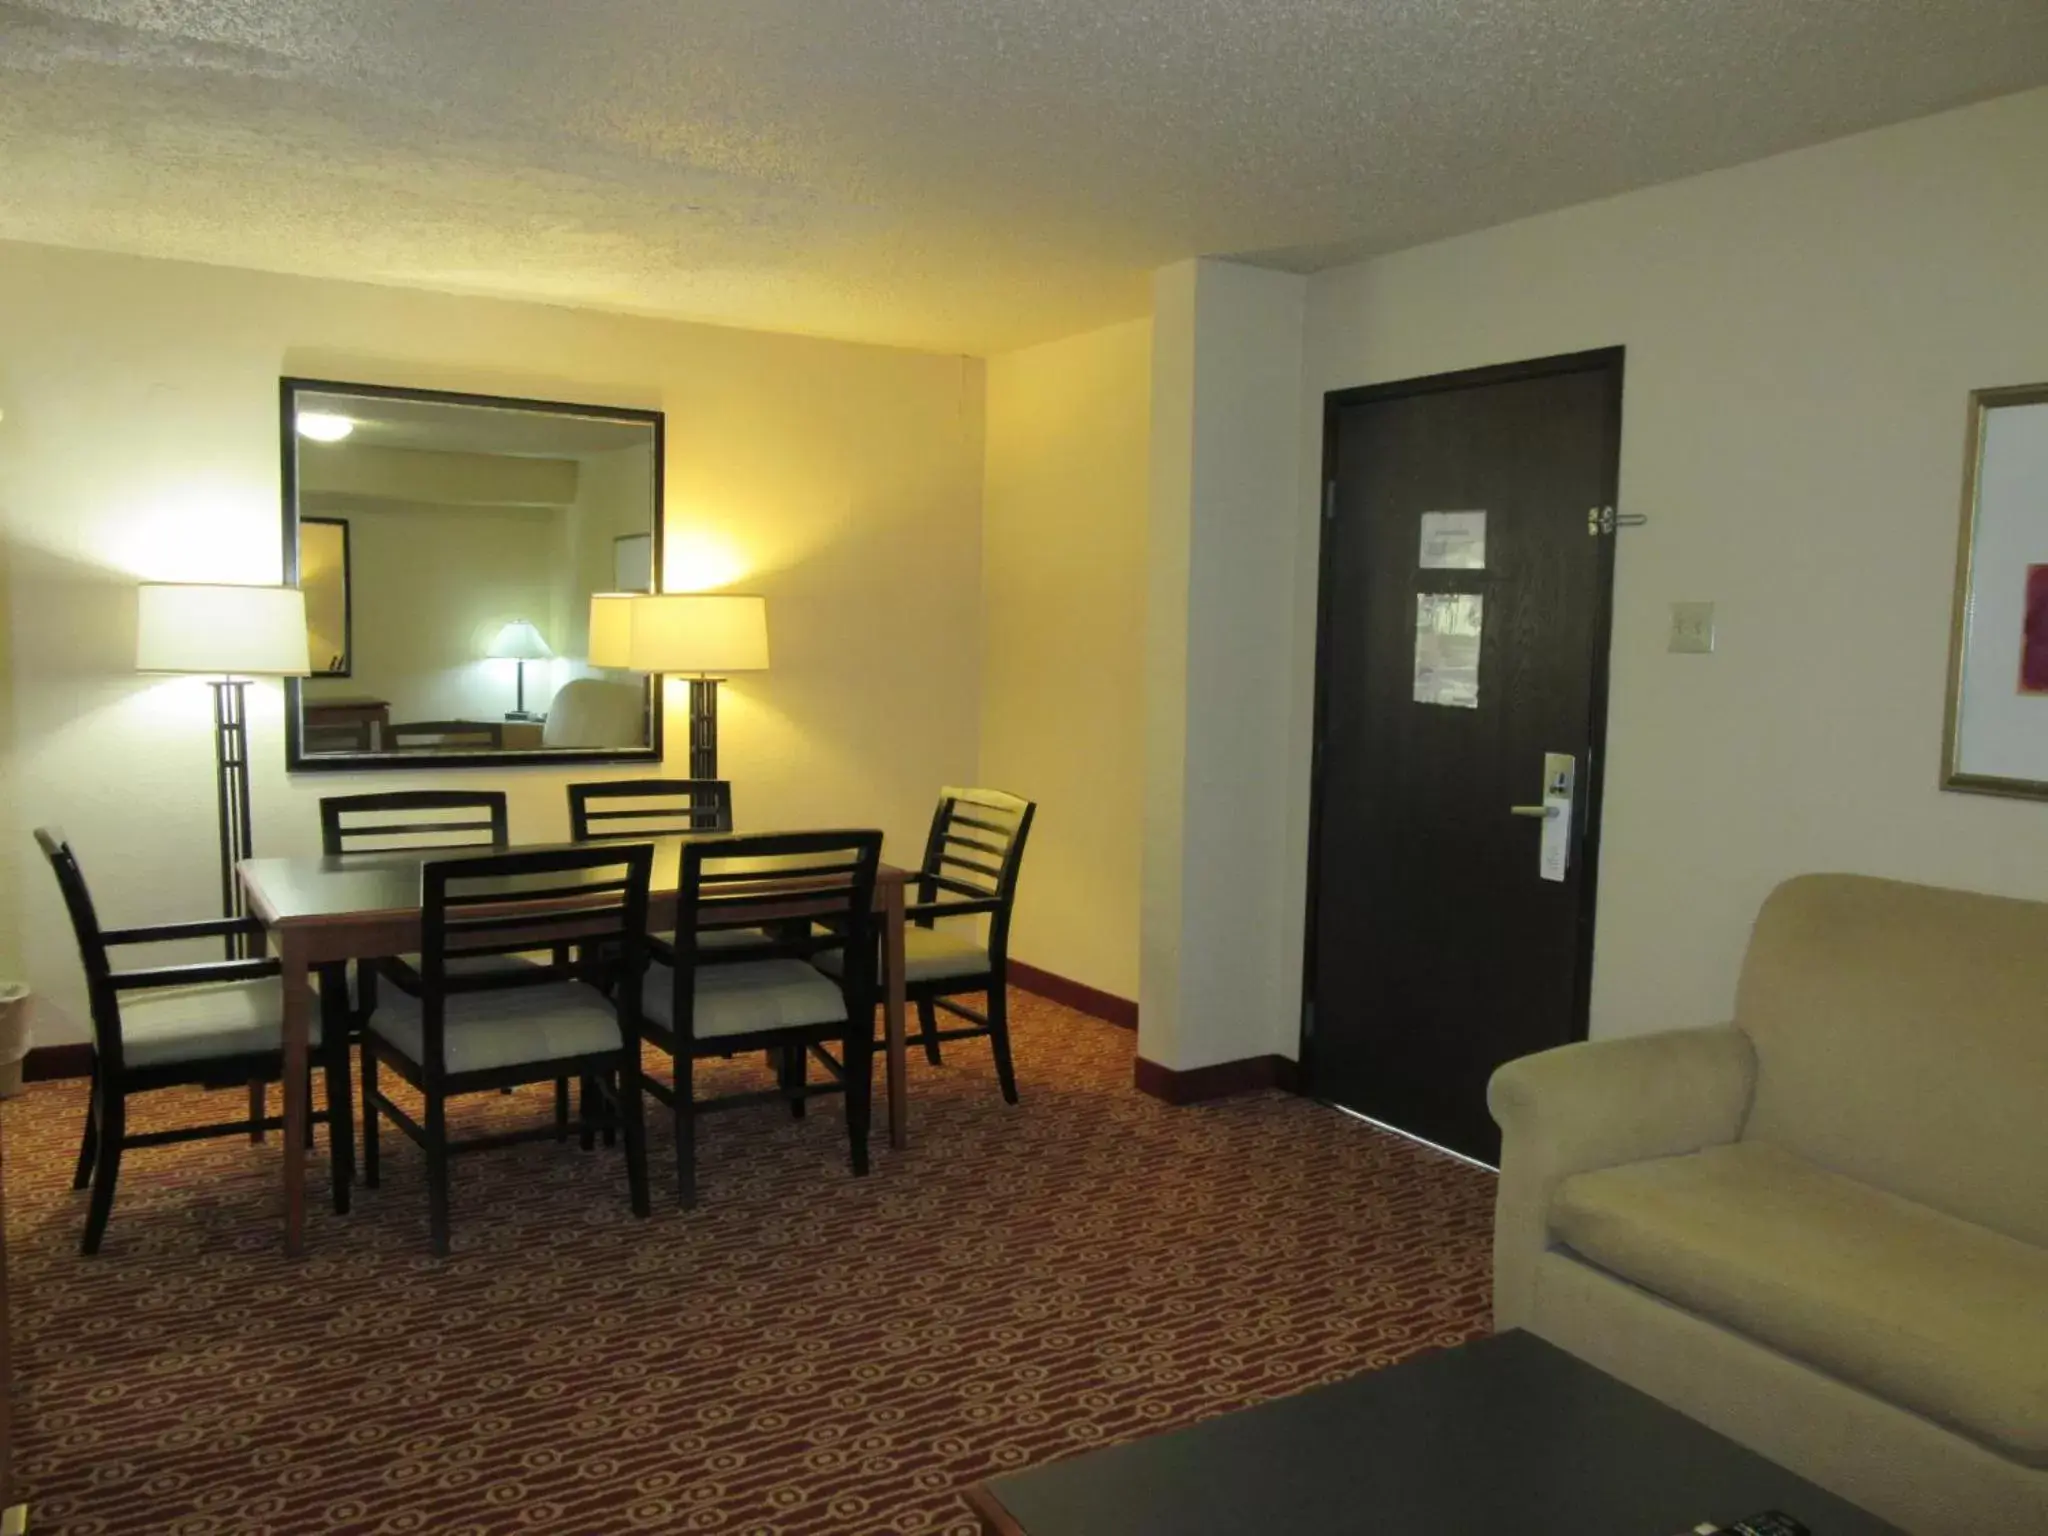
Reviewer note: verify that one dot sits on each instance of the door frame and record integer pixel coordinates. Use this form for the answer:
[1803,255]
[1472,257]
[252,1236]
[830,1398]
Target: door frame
[1592,781]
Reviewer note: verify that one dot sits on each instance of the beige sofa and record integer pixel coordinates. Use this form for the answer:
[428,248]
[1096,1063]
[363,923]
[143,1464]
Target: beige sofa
[1822,1229]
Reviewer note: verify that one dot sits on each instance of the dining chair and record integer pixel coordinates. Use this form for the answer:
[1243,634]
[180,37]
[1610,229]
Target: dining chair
[624,808]
[446,735]
[971,860]
[484,1019]
[410,821]
[211,1025]
[815,892]
[407,820]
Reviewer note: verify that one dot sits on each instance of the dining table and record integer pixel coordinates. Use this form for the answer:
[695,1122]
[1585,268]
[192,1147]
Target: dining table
[321,912]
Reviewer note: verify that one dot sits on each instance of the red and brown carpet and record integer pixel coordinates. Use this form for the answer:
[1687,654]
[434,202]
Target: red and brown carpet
[804,1353]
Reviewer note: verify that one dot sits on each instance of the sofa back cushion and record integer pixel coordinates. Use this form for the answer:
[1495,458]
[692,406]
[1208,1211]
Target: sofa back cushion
[1901,1034]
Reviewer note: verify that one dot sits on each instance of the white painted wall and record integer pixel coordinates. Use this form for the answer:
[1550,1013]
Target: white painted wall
[1218,980]
[1063,691]
[139,439]
[1802,335]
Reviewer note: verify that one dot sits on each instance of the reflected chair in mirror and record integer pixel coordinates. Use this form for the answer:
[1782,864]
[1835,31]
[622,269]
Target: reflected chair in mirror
[445,736]
[485,1020]
[971,859]
[815,891]
[213,1025]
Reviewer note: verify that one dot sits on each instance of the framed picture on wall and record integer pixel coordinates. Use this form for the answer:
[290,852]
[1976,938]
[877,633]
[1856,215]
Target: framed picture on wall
[633,563]
[324,578]
[1997,738]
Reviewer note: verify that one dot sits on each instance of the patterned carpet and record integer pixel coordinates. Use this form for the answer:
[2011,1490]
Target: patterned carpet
[804,1353]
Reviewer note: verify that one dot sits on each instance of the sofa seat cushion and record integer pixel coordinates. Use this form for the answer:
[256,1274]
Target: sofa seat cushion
[1931,1313]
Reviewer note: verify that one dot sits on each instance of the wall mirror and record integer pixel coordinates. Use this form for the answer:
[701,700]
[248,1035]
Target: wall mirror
[448,546]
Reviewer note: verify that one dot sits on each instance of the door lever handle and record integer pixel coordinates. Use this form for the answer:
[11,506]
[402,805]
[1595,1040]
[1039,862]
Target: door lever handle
[1534,812]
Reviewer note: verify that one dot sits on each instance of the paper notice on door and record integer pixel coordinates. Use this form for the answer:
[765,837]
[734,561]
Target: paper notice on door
[1447,627]
[1454,541]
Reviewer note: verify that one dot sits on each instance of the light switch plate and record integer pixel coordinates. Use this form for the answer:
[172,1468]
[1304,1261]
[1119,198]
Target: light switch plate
[1692,629]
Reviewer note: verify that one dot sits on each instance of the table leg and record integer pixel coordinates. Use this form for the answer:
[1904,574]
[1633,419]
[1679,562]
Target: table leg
[893,1005]
[298,1005]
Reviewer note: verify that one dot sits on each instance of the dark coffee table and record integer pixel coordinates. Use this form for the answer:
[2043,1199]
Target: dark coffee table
[1506,1437]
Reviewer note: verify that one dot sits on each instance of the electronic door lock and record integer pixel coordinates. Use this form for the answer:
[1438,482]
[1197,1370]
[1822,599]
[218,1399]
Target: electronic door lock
[1554,854]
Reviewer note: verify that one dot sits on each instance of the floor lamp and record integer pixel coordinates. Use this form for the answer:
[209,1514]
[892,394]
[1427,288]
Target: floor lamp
[704,635]
[231,634]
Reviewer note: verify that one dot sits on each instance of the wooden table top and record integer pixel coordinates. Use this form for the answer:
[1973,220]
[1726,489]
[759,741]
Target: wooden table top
[335,888]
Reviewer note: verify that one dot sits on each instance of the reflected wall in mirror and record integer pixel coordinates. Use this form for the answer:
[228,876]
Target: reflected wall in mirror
[426,529]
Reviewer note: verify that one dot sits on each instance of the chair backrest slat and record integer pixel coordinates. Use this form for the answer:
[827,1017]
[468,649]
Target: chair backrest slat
[104,1004]
[990,866]
[628,808]
[543,898]
[414,819]
[446,735]
[821,884]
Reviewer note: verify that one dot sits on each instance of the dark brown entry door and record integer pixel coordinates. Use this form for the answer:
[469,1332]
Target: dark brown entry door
[1467,568]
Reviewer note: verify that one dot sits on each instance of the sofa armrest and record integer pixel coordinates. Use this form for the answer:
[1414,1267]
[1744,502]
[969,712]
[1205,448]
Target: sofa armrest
[1599,1105]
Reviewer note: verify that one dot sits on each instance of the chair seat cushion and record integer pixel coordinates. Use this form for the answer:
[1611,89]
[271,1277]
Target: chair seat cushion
[929,954]
[750,997]
[227,1018]
[1933,1314]
[725,938]
[504,1027]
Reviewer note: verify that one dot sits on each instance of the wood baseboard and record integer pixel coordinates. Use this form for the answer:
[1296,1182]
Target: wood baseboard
[50,1063]
[1079,996]
[1221,1081]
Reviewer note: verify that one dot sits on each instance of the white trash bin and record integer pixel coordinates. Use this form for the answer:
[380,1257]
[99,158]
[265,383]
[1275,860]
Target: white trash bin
[15,1036]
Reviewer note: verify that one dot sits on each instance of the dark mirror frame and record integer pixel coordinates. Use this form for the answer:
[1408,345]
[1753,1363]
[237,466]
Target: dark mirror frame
[296,759]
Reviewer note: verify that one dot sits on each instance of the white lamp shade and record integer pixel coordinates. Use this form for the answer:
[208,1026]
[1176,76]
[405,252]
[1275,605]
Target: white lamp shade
[707,632]
[611,629]
[520,641]
[222,630]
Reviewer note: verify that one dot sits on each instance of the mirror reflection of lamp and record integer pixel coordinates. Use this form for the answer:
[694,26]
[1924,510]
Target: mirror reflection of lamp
[701,634]
[519,641]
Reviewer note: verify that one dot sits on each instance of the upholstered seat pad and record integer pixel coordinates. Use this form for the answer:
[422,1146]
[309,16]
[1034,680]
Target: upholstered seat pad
[725,938]
[184,1024]
[929,954]
[504,1027]
[746,998]
[1929,1312]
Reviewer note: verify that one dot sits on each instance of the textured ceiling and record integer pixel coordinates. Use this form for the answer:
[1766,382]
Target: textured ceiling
[956,174]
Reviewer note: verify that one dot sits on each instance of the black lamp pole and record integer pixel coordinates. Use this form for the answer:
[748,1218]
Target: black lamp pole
[231,785]
[704,727]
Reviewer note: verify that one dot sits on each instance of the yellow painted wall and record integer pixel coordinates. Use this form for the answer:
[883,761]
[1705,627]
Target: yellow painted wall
[139,439]
[1063,581]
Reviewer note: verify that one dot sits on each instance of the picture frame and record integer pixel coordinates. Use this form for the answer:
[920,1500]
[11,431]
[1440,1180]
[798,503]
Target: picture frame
[633,563]
[1996,726]
[324,577]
